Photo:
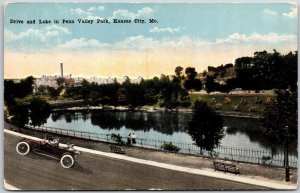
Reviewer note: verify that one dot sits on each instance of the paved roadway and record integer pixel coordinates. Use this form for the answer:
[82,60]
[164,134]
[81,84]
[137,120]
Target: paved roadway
[94,172]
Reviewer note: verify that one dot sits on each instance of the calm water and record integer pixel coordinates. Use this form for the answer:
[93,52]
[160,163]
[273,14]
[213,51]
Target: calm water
[240,132]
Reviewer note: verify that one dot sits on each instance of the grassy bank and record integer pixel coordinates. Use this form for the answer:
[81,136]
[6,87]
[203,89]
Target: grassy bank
[234,102]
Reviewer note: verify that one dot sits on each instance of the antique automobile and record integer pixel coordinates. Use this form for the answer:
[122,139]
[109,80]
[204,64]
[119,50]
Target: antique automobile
[49,147]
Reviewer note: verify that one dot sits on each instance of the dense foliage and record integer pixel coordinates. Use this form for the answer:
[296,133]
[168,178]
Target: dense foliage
[165,91]
[22,106]
[263,71]
[280,118]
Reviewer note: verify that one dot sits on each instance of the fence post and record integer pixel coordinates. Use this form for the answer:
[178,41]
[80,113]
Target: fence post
[106,137]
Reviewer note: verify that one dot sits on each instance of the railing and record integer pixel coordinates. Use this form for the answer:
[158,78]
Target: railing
[261,157]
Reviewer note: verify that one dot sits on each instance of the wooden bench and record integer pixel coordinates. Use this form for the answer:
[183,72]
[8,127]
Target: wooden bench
[116,149]
[226,167]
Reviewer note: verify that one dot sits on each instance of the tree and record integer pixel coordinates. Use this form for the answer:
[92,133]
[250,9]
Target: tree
[39,111]
[280,121]
[210,84]
[10,91]
[178,72]
[19,111]
[205,127]
[26,86]
[190,73]
[53,92]
[18,90]
[60,81]
[191,82]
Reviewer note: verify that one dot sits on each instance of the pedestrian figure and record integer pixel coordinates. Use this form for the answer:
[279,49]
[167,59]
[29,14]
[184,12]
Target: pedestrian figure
[133,137]
[129,139]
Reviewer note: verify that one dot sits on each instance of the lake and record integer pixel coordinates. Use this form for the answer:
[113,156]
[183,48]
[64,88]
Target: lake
[244,133]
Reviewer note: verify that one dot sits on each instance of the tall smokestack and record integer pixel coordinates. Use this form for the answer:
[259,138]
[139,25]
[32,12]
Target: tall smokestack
[62,69]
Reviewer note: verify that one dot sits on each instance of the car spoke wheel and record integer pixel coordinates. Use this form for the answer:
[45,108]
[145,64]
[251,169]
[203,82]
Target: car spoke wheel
[67,161]
[23,148]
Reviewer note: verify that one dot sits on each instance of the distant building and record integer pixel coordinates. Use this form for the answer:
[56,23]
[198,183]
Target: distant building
[47,81]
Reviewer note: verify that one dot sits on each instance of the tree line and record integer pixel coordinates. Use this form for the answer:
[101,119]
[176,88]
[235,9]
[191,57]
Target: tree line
[167,91]
[263,71]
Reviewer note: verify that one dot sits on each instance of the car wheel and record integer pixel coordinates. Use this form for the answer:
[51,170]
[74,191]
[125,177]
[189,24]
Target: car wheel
[67,161]
[23,148]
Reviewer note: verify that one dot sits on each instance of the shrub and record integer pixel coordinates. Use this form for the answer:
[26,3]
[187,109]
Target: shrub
[227,100]
[236,108]
[218,106]
[117,138]
[213,100]
[170,147]
[243,101]
[268,100]
[258,100]
[253,108]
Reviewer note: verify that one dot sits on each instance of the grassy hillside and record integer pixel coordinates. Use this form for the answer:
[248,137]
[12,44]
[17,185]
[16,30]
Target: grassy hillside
[234,102]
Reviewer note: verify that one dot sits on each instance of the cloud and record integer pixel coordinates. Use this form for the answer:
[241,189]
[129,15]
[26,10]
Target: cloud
[101,8]
[292,14]
[82,43]
[142,43]
[89,13]
[30,33]
[41,35]
[269,13]
[137,42]
[125,14]
[79,11]
[93,17]
[167,29]
[58,28]
[144,12]
[257,38]
[91,9]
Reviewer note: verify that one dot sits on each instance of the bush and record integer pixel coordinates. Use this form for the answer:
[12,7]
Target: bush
[243,101]
[227,100]
[218,106]
[269,100]
[213,100]
[170,147]
[258,100]
[117,138]
[253,109]
[236,108]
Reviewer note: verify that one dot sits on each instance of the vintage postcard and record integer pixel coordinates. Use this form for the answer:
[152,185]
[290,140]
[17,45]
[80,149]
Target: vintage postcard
[150,96]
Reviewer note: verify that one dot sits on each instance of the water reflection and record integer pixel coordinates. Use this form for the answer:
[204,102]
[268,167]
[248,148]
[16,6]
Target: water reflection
[164,123]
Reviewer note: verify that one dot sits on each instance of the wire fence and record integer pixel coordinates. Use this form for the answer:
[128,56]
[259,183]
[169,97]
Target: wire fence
[273,157]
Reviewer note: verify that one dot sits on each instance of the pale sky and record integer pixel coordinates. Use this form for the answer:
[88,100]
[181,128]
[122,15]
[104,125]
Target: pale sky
[196,35]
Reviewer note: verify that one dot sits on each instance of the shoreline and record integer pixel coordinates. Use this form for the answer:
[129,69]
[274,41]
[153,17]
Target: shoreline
[158,109]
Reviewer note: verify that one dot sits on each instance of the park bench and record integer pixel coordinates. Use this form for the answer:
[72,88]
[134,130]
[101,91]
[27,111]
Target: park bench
[116,149]
[226,167]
